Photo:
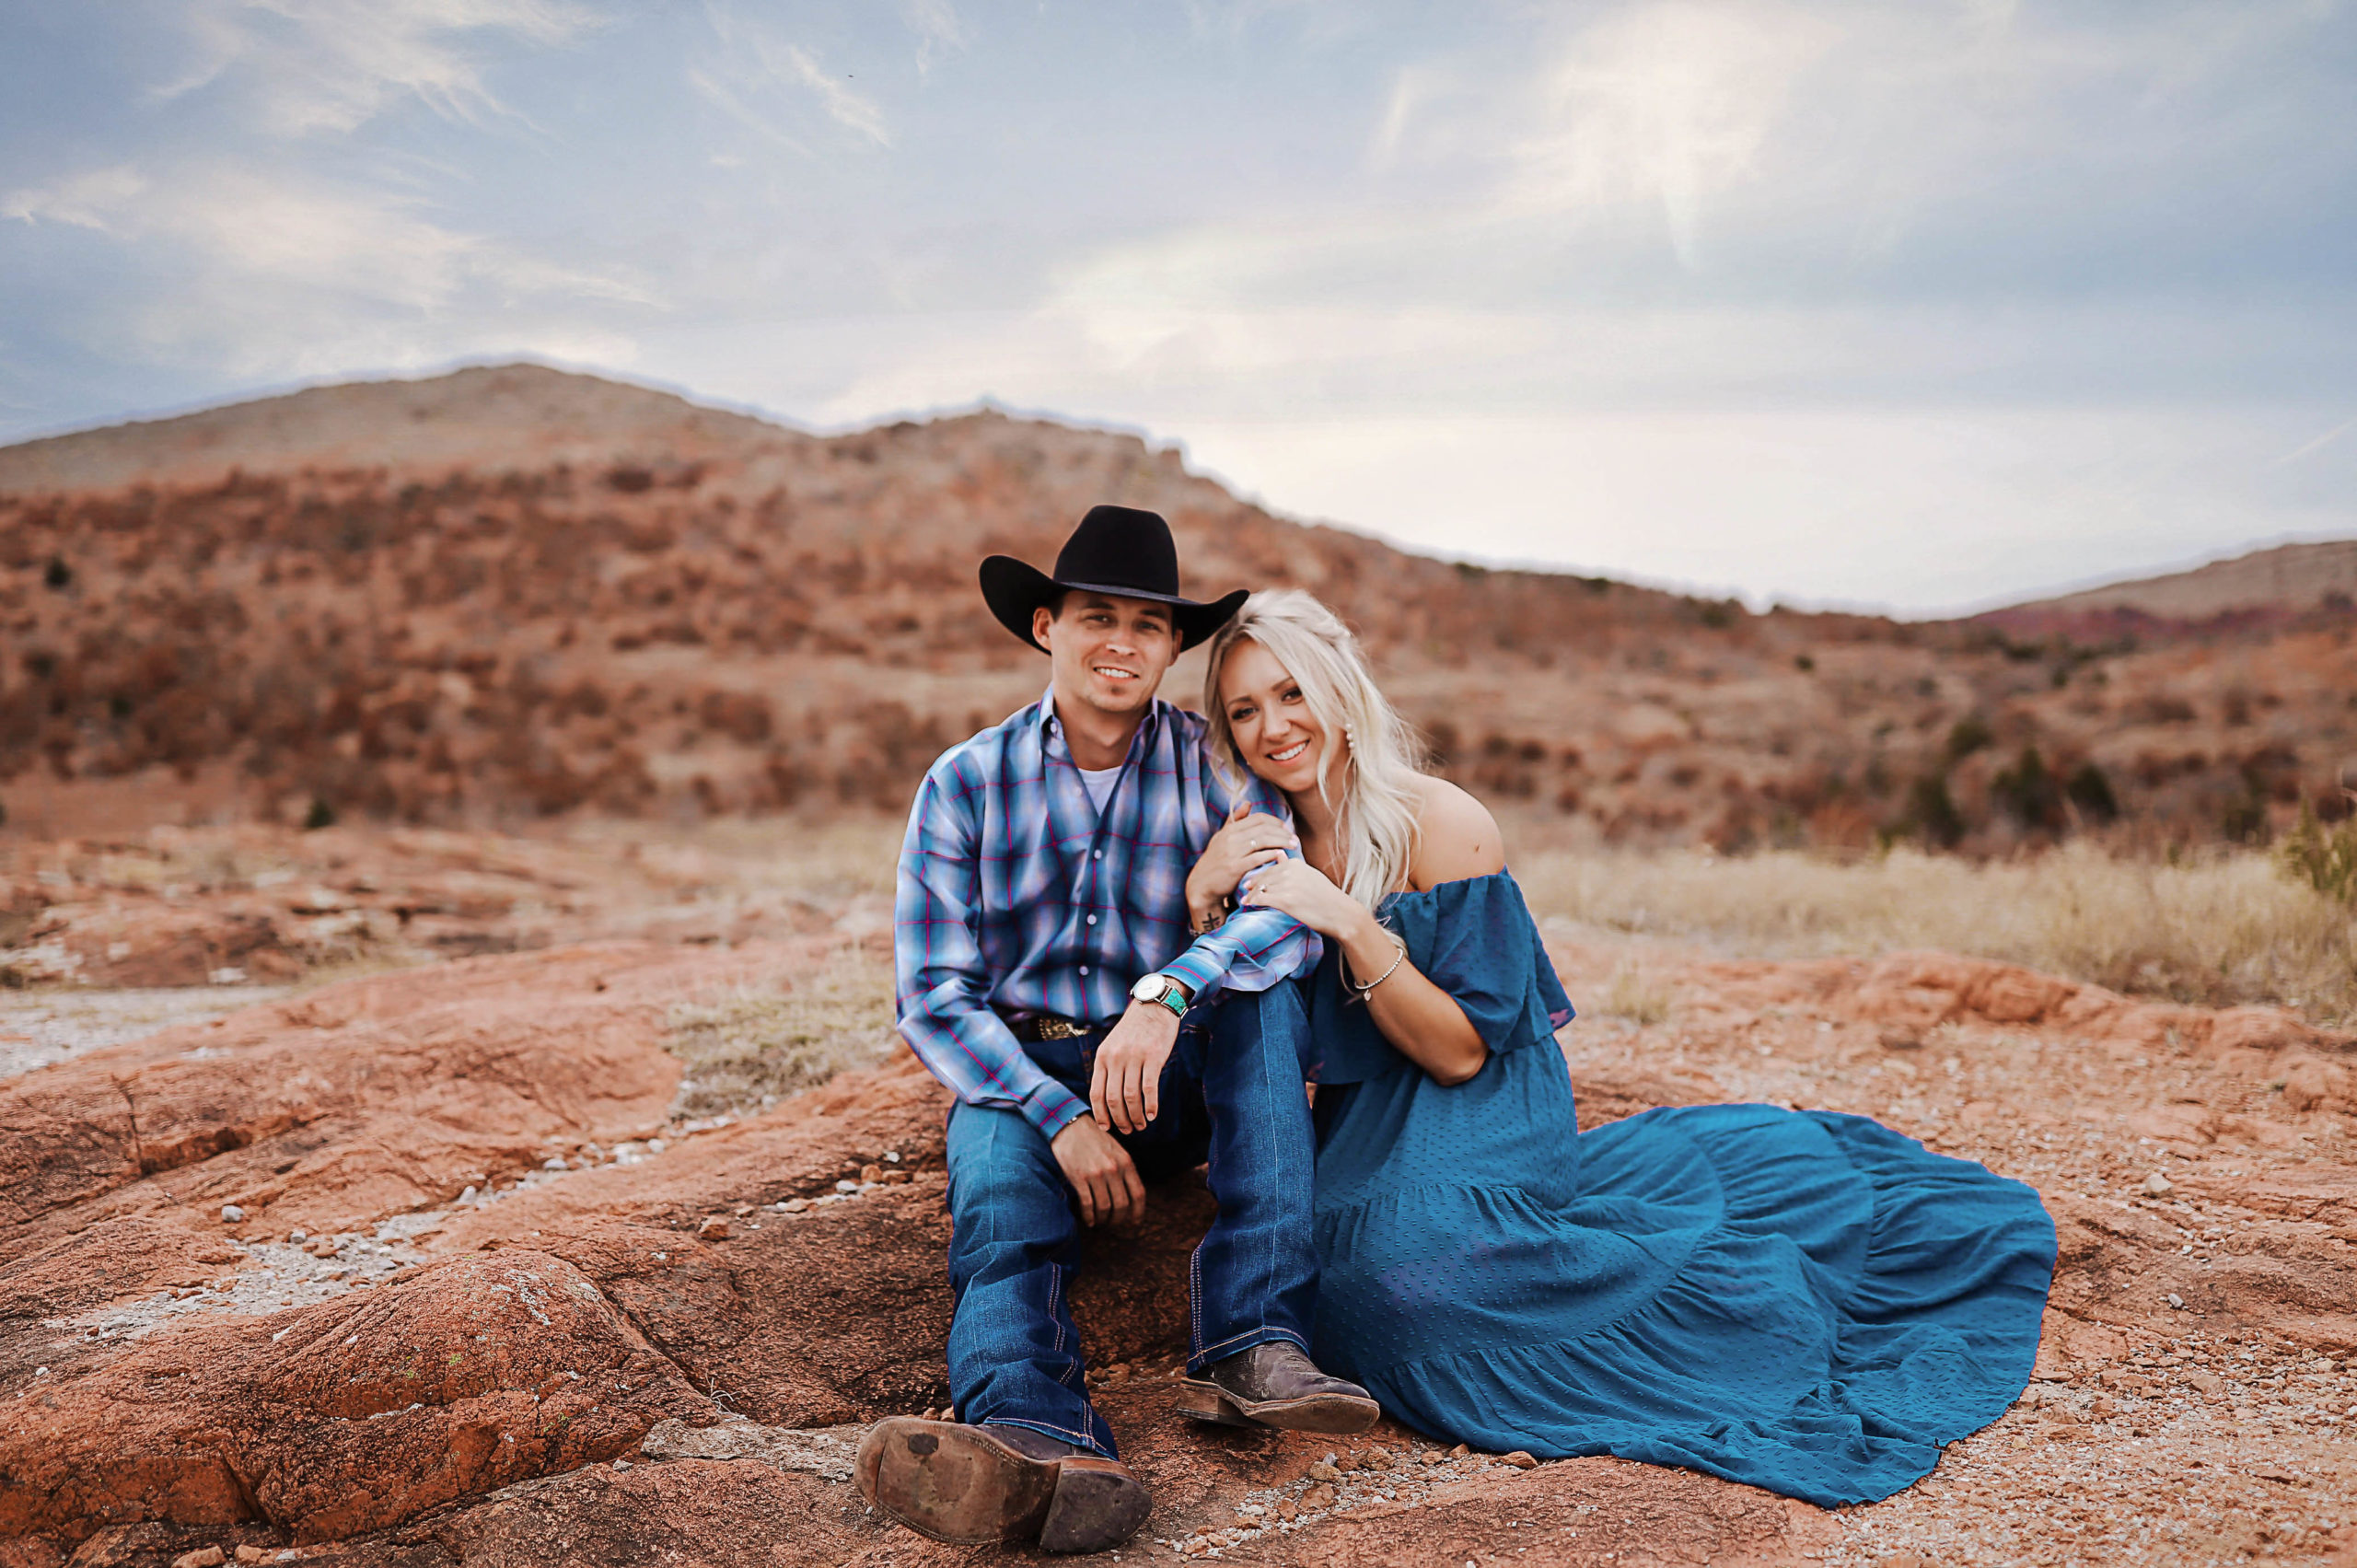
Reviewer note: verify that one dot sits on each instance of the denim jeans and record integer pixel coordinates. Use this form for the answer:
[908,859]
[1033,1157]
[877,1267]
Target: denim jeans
[1232,1094]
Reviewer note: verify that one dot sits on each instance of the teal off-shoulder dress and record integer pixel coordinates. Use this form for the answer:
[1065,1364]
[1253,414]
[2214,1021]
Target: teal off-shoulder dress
[1803,1301]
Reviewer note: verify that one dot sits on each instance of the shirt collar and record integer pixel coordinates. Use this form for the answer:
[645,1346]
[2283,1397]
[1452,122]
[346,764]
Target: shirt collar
[1048,727]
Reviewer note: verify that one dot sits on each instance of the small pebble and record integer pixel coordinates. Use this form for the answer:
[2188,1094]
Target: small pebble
[1521,1460]
[2159,1186]
[714,1228]
[1324,1471]
[231,1214]
[846,1186]
[202,1557]
[622,1464]
[794,1205]
[871,1172]
[250,1553]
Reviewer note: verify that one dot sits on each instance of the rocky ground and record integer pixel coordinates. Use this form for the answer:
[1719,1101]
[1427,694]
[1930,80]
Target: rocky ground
[448,1264]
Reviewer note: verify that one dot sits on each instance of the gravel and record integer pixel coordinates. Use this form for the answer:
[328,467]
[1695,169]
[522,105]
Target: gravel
[39,1028]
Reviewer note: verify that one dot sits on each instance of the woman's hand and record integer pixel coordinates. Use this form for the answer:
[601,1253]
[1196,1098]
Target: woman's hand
[1308,894]
[1247,839]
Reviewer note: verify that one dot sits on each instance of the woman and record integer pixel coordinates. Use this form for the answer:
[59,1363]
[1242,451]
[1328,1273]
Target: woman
[1800,1300]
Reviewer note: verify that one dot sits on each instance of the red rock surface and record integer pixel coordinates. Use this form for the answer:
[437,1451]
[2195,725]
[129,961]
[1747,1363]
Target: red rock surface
[426,1377]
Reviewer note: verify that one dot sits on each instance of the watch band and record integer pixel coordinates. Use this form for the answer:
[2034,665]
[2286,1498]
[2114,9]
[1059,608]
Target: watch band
[1174,996]
[1158,987]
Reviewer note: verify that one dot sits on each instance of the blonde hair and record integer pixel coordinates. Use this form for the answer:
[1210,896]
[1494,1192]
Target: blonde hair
[1375,819]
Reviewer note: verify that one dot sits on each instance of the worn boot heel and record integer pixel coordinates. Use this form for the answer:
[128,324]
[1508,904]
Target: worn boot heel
[1098,1505]
[1201,1401]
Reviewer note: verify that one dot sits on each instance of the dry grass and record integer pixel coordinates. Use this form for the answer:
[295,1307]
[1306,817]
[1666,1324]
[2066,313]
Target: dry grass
[2218,930]
[745,1049]
[1633,992]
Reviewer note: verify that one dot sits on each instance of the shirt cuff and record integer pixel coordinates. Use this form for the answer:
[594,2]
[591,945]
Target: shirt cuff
[1051,1107]
[1195,970]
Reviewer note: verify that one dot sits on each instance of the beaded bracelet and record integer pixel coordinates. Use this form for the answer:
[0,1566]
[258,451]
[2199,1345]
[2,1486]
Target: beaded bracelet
[1400,958]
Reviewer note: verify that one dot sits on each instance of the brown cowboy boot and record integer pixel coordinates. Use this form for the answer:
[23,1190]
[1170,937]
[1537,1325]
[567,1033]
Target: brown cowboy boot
[998,1482]
[1276,1385]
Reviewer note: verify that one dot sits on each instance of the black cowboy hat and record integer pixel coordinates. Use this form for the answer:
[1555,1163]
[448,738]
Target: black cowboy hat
[1115,550]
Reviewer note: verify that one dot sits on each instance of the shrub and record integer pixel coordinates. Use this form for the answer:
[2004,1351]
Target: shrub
[1971,733]
[2030,792]
[2090,791]
[1931,814]
[2326,858]
[2245,819]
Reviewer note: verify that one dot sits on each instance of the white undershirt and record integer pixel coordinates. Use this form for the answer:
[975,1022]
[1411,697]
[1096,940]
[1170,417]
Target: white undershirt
[1099,783]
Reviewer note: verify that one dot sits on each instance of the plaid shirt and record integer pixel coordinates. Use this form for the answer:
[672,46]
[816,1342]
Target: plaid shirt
[1013,895]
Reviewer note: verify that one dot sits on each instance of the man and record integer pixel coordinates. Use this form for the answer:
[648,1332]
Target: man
[1045,965]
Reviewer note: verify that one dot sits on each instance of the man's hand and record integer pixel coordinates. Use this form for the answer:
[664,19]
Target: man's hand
[1125,1091]
[1102,1174]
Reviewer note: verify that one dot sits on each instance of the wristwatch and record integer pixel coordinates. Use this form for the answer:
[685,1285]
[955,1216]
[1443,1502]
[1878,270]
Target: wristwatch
[1160,987]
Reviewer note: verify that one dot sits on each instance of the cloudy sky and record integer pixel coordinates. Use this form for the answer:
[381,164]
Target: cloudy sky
[1920,304]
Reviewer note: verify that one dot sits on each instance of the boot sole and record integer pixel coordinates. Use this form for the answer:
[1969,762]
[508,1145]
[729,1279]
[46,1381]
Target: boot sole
[953,1482]
[1201,1399]
[959,1484]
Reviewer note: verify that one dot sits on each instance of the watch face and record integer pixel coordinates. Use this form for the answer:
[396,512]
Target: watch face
[1148,988]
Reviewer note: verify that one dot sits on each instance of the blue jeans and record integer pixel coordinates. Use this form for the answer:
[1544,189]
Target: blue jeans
[1231,1094]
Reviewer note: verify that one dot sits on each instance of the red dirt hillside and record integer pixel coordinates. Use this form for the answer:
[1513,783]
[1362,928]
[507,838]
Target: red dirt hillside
[516,591]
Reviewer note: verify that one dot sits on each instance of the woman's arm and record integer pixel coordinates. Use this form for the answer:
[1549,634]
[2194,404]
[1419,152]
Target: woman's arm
[1457,839]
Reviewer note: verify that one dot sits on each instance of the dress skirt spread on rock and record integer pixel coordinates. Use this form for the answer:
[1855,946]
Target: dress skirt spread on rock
[1803,1301]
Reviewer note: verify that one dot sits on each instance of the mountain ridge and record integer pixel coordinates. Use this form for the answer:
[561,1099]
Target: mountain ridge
[513,590]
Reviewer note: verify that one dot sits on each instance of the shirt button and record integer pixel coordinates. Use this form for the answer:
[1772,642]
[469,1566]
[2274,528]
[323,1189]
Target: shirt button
[1097,854]
[1084,968]
[1092,920]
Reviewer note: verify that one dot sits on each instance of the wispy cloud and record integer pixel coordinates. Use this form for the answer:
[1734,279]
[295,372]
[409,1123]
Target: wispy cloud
[2309,448]
[938,28]
[852,111]
[312,66]
[752,62]
[281,276]
[1667,105]
[94,200]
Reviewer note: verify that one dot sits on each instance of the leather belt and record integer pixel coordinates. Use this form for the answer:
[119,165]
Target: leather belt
[1047,1026]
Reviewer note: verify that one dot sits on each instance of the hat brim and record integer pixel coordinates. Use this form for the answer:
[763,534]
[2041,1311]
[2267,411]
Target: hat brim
[1015,588]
